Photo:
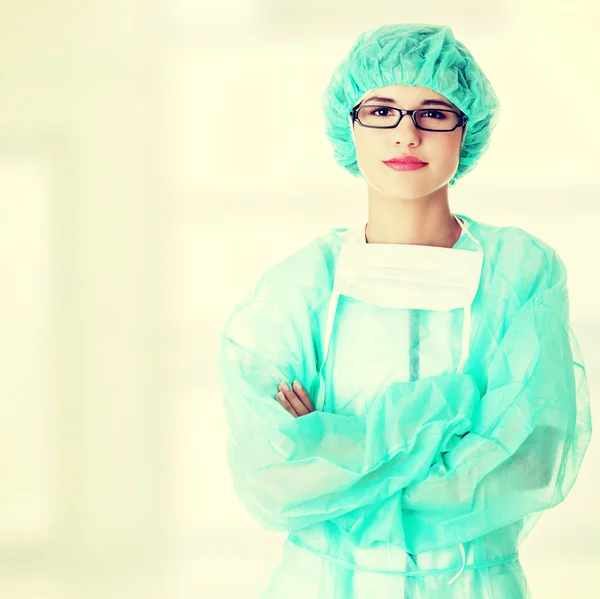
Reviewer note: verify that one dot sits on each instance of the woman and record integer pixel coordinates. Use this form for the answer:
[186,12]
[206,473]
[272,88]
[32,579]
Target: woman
[439,401]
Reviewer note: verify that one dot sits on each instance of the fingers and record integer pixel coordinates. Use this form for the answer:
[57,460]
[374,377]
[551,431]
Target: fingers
[286,404]
[296,403]
[303,396]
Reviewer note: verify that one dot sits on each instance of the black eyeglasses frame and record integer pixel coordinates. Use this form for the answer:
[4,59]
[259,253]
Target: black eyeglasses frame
[462,118]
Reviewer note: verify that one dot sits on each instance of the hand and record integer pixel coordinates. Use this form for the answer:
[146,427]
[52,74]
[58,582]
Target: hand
[296,400]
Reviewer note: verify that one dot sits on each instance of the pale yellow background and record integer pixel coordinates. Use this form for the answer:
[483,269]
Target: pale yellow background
[155,158]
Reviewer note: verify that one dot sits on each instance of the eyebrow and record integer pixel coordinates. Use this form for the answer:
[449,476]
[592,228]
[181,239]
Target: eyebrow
[423,103]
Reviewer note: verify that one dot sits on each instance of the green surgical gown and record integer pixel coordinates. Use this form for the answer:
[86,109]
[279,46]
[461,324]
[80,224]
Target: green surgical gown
[398,487]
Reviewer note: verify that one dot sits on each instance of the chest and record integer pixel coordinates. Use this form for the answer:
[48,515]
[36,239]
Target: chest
[372,347]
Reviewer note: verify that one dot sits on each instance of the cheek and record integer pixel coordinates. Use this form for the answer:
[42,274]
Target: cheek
[448,153]
[368,151]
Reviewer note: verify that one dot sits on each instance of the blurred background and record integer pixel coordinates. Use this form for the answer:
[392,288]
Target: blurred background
[155,159]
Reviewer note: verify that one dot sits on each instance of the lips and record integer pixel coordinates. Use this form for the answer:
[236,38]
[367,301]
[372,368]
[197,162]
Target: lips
[405,160]
[405,163]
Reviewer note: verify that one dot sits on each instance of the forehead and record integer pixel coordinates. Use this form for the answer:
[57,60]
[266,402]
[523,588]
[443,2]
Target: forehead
[407,95]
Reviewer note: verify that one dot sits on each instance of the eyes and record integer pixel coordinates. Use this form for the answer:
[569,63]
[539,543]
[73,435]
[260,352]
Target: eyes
[426,113]
[428,119]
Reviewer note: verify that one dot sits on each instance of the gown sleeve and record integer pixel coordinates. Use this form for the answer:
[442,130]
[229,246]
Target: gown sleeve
[528,436]
[293,472]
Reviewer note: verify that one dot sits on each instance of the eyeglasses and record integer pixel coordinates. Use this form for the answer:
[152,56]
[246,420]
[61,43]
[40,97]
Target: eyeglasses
[427,119]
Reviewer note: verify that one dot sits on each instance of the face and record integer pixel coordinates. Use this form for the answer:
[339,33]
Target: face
[439,149]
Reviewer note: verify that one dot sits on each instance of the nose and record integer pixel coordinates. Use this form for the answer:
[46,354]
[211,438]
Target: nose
[405,132]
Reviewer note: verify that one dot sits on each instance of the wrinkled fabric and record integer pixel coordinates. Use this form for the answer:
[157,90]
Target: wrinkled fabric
[410,488]
[413,54]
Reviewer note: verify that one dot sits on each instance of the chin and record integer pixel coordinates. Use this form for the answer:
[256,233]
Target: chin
[406,186]
[408,190]
[406,195]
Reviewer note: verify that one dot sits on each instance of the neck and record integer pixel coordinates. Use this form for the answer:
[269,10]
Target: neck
[419,221]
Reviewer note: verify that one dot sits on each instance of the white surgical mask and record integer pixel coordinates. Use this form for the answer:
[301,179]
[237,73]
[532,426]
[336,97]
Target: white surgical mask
[410,277]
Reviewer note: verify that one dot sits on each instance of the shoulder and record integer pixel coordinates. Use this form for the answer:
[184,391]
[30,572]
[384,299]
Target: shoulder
[308,271]
[520,257]
[292,287]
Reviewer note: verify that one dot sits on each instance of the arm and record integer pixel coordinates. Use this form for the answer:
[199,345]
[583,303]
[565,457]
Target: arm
[525,446]
[292,472]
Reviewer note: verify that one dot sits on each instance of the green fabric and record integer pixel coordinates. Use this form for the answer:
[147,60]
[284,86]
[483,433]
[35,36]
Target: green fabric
[421,466]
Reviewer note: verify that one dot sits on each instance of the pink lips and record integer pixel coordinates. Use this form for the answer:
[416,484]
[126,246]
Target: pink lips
[405,166]
[405,163]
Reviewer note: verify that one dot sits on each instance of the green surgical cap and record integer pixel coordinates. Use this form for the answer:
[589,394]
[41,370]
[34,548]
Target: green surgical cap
[418,55]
